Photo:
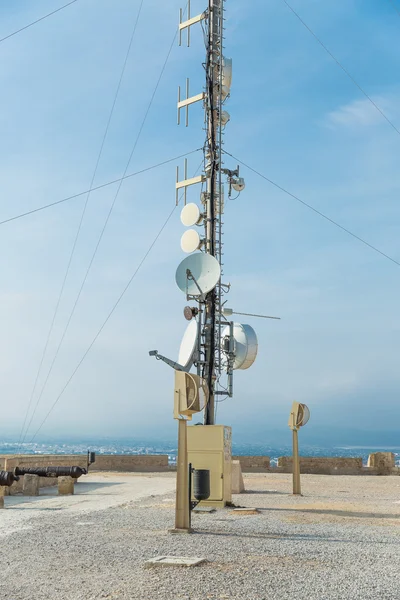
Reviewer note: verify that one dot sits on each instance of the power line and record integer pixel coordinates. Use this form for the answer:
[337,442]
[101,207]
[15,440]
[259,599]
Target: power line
[105,223]
[94,189]
[37,21]
[72,253]
[318,212]
[105,322]
[175,158]
[110,314]
[345,71]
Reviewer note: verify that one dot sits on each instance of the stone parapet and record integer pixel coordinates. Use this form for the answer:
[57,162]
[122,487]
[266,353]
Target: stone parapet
[128,463]
[383,462]
[253,464]
[332,465]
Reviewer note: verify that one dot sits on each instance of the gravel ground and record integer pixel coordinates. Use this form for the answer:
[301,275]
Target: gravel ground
[340,541]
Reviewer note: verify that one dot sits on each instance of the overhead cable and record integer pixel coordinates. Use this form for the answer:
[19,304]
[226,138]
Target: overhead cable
[70,317]
[315,210]
[72,253]
[109,314]
[97,187]
[345,71]
[37,21]
[62,338]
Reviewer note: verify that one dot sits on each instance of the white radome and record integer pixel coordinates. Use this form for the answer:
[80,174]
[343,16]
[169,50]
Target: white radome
[191,215]
[190,241]
[245,345]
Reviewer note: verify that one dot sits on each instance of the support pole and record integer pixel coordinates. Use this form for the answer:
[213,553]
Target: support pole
[296,464]
[182,516]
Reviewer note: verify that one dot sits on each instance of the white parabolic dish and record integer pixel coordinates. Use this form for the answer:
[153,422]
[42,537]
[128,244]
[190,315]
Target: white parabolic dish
[188,344]
[190,215]
[204,268]
[246,345]
[190,241]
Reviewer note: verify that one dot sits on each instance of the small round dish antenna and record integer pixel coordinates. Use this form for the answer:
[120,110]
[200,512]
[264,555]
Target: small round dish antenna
[204,268]
[245,345]
[191,215]
[190,241]
[188,345]
[303,415]
[189,312]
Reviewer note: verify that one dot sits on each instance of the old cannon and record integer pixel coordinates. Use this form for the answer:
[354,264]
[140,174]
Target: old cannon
[7,478]
[74,472]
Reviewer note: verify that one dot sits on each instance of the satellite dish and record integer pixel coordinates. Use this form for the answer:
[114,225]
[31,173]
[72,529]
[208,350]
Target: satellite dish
[245,345]
[205,269]
[190,241]
[188,345]
[191,215]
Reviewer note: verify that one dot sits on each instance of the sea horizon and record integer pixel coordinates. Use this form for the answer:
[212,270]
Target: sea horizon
[143,447]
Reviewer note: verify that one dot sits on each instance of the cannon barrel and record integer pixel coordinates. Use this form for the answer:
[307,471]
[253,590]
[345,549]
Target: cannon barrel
[73,472]
[7,478]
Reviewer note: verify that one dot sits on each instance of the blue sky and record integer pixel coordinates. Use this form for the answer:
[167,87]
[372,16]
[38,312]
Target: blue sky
[296,117]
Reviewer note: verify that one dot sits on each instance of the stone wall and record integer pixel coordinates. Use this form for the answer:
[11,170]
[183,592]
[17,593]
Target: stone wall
[382,462]
[253,464]
[332,465]
[140,463]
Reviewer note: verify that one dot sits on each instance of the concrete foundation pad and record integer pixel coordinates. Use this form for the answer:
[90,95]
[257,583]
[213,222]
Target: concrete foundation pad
[177,531]
[204,509]
[173,561]
[246,511]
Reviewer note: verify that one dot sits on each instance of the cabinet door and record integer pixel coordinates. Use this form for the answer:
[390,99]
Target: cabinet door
[213,461]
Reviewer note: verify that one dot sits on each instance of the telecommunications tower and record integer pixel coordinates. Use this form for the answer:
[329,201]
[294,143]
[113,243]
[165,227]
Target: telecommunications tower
[212,343]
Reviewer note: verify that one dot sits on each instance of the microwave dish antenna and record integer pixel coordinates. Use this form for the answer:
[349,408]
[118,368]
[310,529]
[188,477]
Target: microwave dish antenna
[198,274]
[245,345]
[188,347]
[190,241]
[189,312]
[191,215]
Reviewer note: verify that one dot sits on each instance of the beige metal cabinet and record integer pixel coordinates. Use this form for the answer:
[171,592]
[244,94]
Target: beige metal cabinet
[210,447]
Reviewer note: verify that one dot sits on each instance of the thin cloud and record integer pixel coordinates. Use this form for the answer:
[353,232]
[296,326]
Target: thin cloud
[358,113]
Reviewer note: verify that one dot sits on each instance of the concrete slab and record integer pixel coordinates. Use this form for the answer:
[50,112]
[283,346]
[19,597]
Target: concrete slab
[180,531]
[204,509]
[246,511]
[173,561]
